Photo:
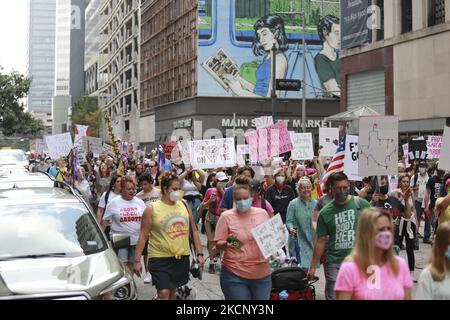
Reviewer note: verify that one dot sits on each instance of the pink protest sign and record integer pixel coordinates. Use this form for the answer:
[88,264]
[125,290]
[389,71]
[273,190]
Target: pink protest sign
[252,142]
[434,144]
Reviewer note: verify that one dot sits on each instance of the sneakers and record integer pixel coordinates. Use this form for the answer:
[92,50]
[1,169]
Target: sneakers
[148,278]
[426,240]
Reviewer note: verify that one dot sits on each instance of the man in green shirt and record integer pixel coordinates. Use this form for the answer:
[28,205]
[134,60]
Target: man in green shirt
[336,230]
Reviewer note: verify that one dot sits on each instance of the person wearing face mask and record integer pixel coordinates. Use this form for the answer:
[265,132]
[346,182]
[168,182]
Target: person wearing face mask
[191,186]
[258,197]
[227,200]
[124,213]
[434,188]
[373,271]
[246,274]
[166,227]
[434,281]
[442,207]
[419,186]
[401,207]
[211,201]
[300,221]
[336,228]
[279,196]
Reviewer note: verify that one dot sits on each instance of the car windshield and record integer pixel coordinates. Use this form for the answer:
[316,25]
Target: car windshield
[12,156]
[46,229]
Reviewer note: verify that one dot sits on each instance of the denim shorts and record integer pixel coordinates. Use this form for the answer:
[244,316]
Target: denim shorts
[127,254]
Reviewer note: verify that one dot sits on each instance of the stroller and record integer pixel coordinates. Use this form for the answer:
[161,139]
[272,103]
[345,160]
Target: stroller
[293,280]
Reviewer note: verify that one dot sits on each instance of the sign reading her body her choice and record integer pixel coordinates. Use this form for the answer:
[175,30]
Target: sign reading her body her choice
[378,146]
[351,158]
[207,154]
[270,236]
[444,160]
[59,145]
[303,146]
[328,141]
[236,38]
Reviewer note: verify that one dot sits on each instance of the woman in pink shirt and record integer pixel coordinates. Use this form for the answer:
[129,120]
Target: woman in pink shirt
[246,274]
[373,271]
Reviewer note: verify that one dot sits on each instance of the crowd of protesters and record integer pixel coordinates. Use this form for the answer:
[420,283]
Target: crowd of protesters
[345,226]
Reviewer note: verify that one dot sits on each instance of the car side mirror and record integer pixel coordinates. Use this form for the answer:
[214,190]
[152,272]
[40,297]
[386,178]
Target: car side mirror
[120,241]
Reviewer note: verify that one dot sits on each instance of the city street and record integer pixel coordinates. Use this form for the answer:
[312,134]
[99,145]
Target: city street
[209,287]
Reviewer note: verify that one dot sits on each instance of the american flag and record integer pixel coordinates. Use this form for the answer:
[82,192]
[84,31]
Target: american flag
[337,163]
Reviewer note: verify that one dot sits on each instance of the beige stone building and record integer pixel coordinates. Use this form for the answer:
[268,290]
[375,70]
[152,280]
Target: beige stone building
[405,70]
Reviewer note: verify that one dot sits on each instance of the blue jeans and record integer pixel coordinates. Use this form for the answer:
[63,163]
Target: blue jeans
[331,273]
[420,211]
[237,288]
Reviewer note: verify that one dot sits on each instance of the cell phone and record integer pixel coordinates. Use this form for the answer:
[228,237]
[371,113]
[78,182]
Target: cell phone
[235,242]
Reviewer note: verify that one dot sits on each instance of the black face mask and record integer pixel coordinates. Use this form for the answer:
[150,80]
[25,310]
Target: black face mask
[384,189]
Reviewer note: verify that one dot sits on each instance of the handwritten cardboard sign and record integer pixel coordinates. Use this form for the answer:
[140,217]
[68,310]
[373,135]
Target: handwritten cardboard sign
[59,145]
[213,153]
[303,146]
[270,236]
[434,144]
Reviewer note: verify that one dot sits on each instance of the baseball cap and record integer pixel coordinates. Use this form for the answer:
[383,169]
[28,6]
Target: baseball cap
[221,176]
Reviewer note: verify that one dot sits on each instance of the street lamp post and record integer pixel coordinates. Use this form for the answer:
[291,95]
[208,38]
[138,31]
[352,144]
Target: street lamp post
[274,81]
[302,14]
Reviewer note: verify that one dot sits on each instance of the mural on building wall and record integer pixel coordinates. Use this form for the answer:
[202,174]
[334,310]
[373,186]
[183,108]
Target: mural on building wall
[236,38]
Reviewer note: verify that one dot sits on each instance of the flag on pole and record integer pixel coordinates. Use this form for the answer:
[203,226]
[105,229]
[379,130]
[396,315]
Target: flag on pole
[337,162]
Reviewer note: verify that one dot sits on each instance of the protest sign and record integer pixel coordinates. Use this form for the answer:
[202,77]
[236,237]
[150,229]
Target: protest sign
[351,158]
[40,146]
[270,236]
[378,145]
[168,147]
[417,150]
[243,149]
[303,146]
[262,122]
[107,149]
[444,159]
[252,142]
[92,144]
[216,153]
[405,151]
[328,141]
[59,145]
[183,147]
[434,144]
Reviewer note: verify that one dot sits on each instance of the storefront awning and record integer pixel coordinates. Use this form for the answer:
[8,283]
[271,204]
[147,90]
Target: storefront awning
[353,114]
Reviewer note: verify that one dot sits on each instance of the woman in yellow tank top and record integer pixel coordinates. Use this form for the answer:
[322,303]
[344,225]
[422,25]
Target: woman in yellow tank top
[165,225]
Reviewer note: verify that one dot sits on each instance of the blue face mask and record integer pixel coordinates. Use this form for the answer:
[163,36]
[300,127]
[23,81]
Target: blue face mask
[447,254]
[244,205]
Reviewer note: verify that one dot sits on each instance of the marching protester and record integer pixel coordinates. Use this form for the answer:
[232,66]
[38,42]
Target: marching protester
[166,226]
[372,256]
[336,228]
[191,186]
[442,206]
[258,197]
[148,194]
[434,281]
[434,186]
[227,200]
[102,179]
[211,202]
[125,214]
[246,274]
[299,221]
[419,186]
[112,192]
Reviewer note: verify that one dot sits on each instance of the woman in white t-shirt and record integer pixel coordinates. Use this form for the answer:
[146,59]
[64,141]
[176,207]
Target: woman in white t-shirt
[113,192]
[434,281]
[125,214]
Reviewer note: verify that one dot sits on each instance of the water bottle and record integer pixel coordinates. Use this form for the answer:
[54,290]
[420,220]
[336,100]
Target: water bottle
[284,295]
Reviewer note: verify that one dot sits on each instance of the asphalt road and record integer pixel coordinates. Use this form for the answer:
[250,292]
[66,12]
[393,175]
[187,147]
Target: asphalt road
[209,287]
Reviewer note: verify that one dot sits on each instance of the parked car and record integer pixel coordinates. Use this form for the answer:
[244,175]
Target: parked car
[51,247]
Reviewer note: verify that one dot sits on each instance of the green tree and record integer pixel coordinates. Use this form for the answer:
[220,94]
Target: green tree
[13,89]
[85,111]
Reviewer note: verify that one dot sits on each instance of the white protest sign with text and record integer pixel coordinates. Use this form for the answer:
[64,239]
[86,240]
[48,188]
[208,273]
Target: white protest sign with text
[216,153]
[92,144]
[351,158]
[378,146]
[59,145]
[444,160]
[328,141]
[303,146]
[270,236]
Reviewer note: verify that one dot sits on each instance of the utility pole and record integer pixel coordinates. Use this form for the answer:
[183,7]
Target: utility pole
[274,81]
[304,73]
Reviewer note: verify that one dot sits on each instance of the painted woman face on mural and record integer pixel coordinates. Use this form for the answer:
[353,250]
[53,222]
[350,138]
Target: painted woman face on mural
[334,37]
[266,38]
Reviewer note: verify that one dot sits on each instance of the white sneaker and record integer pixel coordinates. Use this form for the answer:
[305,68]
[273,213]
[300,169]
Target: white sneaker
[148,278]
